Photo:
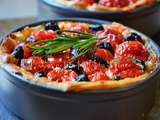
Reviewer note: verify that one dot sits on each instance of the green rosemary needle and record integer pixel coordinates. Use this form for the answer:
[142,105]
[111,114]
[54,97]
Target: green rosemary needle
[84,42]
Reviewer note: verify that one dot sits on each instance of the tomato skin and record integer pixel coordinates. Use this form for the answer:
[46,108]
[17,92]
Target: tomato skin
[98,76]
[27,50]
[91,67]
[89,1]
[54,75]
[81,59]
[105,54]
[114,3]
[132,50]
[104,32]
[61,75]
[126,68]
[44,35]
[33,64]
[56,61]
[68,75]
[113,37]
[131,73]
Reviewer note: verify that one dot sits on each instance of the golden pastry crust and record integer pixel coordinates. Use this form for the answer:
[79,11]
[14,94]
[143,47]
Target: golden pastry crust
[97,7]
[8,62]
[72,86]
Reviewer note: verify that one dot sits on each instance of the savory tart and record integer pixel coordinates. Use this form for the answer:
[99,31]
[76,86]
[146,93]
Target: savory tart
[75,56]
[111,5]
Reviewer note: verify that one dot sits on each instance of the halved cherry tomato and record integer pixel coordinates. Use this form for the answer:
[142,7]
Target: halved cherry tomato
[89,1]
[56,61]
[33,64]
[68,75]
[113,37]
[27,50]
[54,75]
[105,54]
[61,75]
[44,34]
[98,76]
[114,3]
[132,49]
[126,69]
[91,67]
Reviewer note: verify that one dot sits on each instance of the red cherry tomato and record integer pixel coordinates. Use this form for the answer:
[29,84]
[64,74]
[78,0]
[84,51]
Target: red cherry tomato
[126,68]
[113,37]
[105,54]
[27,50]
[54,75]
[61,75]
[44,34]
[104,32]
[33,64]
[98,76]
[114,3]
[132,49]
[89,1]
[91,67]
[56,61]
[133,1]
[68,75]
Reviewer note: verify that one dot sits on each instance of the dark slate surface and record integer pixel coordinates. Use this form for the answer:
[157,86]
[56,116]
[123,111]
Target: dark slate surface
[6,115]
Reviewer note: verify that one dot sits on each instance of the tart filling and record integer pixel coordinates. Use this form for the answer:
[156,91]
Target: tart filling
[74,56]
[111,5]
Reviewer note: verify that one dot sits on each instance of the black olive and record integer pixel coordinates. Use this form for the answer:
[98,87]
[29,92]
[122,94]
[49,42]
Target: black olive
[117,78]
[96,1]
[52,26]
[18,52]
[106,45]
[140,63]
[78,69]
[99,60]
[96,27]
[133,37]
[74,52]
[30,39]
[82,77]
[39,74]
[18,73]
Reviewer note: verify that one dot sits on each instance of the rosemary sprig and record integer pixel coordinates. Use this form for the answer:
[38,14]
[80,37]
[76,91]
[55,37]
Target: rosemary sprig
[84,42]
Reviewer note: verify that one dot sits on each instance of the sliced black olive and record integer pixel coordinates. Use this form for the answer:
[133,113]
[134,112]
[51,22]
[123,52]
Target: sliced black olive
[82,77]
[18,52]
[18,73]
[140,63]
[96,27]
[39,74]
[30,39]
[78,69]
[133,37]
[74,52]
[117,78]
[99,60]
[106,45]
[52,26]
